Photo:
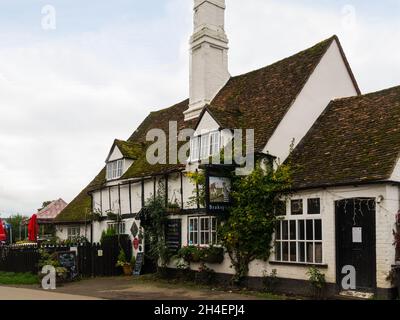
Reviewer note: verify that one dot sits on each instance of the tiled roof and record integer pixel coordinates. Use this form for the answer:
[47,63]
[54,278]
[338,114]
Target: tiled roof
[260,99]
[52,210]
[256,100]
[81,205]
[355,140]
[128,149]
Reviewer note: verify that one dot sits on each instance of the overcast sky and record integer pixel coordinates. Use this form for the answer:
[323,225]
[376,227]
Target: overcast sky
[66,94]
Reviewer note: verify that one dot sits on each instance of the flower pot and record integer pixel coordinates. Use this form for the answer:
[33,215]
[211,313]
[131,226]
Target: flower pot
[127,270]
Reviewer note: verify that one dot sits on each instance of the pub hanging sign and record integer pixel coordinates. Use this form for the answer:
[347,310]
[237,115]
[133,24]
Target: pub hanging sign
[218,188]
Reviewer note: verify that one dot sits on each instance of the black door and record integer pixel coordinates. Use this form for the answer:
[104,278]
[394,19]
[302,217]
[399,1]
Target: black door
[355,241]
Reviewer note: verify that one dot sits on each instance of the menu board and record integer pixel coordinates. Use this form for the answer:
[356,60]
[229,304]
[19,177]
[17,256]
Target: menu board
[173,235]
[139,263]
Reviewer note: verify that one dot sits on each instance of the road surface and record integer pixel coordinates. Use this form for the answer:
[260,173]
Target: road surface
[9,293]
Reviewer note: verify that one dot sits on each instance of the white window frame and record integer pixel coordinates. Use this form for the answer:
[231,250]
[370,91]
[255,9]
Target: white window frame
[193,231]
[215,138]
[298,242]
[115,169]
[73,232]
[195,148]
[115,225]
[205,145]
[200,233]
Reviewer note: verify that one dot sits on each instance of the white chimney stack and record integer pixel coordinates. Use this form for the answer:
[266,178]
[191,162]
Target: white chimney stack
[208,55]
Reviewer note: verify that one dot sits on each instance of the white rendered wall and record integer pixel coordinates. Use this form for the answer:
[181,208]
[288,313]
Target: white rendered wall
[385,219]
[396,173]
[330,80]
[115,154]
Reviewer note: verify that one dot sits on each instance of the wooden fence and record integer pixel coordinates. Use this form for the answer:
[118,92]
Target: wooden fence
[92,259]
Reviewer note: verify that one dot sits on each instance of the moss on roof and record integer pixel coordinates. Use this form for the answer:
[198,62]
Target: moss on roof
[129,149]
[257,100]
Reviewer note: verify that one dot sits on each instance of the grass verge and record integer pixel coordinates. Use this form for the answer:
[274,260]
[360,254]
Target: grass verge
[18,278]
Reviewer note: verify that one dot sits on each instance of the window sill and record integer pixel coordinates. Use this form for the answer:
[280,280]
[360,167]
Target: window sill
[299,264]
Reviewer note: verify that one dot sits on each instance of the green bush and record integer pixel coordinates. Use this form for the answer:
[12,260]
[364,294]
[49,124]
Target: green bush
[317,281]
[198,254]
[213,255]
[107,234]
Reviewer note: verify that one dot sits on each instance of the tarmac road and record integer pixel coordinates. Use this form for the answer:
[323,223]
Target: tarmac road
[10,293]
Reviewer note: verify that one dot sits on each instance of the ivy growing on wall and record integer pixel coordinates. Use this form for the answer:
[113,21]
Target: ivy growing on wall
[154,223]
[248,230]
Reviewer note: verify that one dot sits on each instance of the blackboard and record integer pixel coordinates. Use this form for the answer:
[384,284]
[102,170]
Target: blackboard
[139,263]
[173,235]
[67,259]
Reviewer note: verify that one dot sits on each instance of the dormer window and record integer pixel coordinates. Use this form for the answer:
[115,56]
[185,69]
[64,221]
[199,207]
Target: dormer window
[204,146]
[114,169]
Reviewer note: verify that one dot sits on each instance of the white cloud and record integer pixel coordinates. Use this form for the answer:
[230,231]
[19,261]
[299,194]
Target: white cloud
[64,99]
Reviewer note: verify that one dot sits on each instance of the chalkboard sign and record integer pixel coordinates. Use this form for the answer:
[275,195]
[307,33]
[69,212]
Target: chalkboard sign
[139,263]
[67,260]
[173,235]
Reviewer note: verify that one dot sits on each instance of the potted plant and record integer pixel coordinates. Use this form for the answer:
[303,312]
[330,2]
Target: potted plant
[173,207]
[213,255]
[190,254]
[124,264]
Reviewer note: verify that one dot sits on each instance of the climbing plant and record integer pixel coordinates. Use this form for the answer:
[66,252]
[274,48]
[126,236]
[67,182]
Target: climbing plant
[198,179]
[154,224]
[248,230]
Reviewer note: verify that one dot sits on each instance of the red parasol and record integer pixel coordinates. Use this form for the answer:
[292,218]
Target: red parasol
[33,228]
[3,236]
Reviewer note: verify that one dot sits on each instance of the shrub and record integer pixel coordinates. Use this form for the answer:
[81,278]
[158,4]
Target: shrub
[317,281]
[197,254]
[212,255]
[107,234]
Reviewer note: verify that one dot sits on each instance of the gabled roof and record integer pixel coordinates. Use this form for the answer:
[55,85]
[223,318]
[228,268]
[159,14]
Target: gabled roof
[356,140]
[51,210]
[129,150]
[260,99]
[79,207]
